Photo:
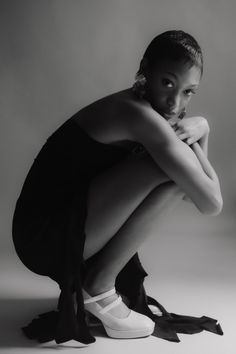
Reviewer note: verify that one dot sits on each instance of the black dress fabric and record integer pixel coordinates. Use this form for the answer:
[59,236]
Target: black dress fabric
[48,235]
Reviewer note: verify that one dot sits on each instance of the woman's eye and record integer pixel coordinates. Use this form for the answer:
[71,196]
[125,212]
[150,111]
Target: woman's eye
[167,83]
[189,92]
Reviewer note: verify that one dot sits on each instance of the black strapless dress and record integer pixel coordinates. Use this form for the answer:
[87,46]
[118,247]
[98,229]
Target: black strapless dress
[48,235]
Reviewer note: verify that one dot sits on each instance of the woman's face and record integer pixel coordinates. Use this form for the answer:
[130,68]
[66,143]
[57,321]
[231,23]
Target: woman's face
[170,87]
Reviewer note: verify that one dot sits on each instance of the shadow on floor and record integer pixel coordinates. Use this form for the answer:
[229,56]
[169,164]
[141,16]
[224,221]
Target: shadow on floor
[17,313]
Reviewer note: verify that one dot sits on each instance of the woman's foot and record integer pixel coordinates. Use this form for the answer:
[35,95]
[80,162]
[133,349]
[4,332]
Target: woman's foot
[95,284]
[118,320]
[119,311]
[134,325]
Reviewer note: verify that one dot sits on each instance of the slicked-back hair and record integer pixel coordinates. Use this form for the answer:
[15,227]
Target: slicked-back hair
[176,45]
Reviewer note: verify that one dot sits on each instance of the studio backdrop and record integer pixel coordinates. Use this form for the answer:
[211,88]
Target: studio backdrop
[58,56]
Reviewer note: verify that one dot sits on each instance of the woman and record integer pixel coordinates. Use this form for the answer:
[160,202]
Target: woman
[99,184]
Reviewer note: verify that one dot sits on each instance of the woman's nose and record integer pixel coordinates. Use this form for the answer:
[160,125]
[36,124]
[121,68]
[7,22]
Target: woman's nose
[173,102]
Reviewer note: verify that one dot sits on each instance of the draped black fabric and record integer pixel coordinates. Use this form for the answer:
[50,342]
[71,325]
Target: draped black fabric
[49,236]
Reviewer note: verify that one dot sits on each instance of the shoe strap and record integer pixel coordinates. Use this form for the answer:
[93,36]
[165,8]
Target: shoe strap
[100,296]
[111,305]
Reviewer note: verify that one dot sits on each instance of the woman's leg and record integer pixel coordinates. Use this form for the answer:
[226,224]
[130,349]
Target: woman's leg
[125,205]
[115,194]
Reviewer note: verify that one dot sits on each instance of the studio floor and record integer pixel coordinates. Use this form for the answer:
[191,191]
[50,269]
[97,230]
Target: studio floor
[187,277]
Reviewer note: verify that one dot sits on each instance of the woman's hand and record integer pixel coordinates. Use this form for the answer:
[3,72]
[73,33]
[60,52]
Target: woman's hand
[192,128]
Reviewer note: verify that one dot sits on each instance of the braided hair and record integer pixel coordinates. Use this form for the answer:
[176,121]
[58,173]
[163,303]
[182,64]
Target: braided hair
[176,45]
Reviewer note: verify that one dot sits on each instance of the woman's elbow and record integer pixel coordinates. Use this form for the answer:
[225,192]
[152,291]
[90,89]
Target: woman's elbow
[214,208]
[215,211]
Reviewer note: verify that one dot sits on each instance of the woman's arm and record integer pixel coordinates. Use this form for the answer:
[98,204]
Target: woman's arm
[183,128]
[202,158]
[203,142]
[188,167]
[200,149]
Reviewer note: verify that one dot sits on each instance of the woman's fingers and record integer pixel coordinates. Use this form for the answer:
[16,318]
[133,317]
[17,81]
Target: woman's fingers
[182,135]
[172,121]
[179,131]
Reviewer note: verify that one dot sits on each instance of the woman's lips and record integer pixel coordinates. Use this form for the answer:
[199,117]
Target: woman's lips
[168,115]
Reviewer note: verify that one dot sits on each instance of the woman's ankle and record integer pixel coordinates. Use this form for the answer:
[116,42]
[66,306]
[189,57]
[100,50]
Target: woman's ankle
[97,288]
[95,283]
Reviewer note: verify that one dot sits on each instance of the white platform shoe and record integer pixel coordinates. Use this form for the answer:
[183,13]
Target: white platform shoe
[135,325]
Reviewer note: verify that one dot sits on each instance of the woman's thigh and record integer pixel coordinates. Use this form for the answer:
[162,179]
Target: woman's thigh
[115,194]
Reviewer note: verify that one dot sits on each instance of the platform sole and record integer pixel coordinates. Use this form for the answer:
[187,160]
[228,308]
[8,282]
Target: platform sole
[128,334]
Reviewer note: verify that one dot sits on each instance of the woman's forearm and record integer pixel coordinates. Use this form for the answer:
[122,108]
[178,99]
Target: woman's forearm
[209,170]
[203,142]
[201,153]
[205,163]
[200,148]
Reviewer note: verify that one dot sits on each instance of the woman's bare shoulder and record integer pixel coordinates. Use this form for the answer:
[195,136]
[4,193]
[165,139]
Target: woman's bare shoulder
[141,122]
[123,116]
[107,119]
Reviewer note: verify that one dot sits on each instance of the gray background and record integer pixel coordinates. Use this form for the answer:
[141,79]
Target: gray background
[58,56]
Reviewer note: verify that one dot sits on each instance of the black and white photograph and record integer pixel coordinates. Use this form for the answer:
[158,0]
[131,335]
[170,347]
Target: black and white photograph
[118,176]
